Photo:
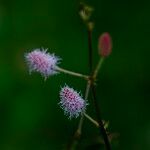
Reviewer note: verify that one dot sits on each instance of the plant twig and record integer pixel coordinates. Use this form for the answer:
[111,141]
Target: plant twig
[90,70]
[79,130]
[92,120]
[90,50]
[72,73]
[99,65]
[98,113]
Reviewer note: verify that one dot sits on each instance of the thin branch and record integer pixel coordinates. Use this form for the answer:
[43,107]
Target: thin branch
[96,104]
[90,50]
[92,120]
[90,59]
[72,73]
[79,130]
[98,67]
[101,125]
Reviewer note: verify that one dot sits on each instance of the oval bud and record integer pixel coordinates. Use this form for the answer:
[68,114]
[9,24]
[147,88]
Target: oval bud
[105,44]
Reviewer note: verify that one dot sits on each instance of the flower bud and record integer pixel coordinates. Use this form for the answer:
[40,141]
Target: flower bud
[85,11]
[105,44]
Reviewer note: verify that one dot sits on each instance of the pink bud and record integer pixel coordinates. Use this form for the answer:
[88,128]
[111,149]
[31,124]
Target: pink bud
[105,44]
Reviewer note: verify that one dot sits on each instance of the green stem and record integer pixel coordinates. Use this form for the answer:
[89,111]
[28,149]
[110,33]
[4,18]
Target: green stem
[90,50]
[92,120]
[72,73]
[79,130]
[100,122]
[98,67]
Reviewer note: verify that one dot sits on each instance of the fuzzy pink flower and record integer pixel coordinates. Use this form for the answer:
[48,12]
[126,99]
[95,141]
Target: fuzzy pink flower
[71,102]
[41,61]
[105,44]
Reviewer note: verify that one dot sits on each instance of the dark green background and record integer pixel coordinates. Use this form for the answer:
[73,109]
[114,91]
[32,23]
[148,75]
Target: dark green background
[30,117]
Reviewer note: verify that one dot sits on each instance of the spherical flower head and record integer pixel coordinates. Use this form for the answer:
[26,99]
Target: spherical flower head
[105,44]
[41,61]
[71,102]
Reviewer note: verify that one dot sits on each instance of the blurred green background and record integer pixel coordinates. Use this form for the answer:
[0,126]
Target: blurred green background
[30,117]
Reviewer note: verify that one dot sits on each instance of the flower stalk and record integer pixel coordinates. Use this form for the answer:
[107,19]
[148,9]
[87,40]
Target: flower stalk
[99,65]
[72,73]
[79,129]
[91,119]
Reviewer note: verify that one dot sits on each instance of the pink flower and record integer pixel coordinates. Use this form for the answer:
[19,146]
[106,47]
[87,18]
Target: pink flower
[71,102]
[41,61]
[105,44]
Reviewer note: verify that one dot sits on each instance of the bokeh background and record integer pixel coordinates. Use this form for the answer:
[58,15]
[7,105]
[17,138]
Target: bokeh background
[30,117]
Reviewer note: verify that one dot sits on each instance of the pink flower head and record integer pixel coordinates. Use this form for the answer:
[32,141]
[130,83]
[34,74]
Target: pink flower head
[105,44]
[41,61]
[71,102]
